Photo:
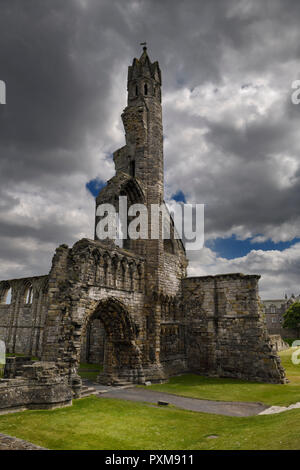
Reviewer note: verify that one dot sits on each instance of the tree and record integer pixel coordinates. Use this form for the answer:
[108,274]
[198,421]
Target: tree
[292,317]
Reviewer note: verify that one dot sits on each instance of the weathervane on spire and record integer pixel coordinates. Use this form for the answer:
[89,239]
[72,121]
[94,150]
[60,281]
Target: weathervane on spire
[144,44]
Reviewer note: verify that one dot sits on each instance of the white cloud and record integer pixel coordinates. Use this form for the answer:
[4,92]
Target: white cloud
[231,133]
[280,270]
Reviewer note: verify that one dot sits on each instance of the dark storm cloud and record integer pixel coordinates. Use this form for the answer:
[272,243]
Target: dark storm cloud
[65,65]
[54,83]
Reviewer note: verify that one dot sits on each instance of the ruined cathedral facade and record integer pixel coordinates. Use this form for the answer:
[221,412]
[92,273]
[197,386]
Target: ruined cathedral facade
[133,308]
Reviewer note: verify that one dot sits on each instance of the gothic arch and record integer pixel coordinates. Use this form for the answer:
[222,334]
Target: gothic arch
[133,190]
[122,357]
[5,293]
[28,293]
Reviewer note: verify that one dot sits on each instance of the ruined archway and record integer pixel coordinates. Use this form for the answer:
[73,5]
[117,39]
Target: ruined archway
[122,357]
[92,342]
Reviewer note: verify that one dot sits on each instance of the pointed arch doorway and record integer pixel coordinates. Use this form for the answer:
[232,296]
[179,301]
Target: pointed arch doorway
[122,357]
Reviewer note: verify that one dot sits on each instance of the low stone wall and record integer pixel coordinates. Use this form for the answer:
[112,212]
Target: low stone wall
[14,365]
[278,343]
[40,387]
[13,443]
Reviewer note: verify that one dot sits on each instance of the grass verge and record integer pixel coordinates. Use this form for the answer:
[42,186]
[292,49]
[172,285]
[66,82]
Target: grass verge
[106,424]
[195,386]
[89,371]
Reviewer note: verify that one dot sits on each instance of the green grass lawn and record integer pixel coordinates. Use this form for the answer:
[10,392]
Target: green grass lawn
[89,371]
[107,424]
[93,423]
[196,386]
[33,358]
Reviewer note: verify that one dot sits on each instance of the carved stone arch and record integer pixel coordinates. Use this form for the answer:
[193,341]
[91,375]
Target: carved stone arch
[115,259]
[107,256]
[96,255]
[27,292]
[172,309]
[115,262]
[134,192]
[132,189]
[96,258]
[132,271]
[106,267]
[83,258]
[6,292]
[134,89]
[140,271]
[124,271]
[122,357]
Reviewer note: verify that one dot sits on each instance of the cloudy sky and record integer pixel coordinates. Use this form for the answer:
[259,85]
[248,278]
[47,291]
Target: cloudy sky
[232,134]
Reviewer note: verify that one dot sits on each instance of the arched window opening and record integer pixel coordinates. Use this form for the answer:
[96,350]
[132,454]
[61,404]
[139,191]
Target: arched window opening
[29,295]
[136,90]
[146,89]
[168,246]
[7,296]
[132,168]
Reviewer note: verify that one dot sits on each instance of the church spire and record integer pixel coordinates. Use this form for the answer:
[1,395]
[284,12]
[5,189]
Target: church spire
[144,78]
[144,57]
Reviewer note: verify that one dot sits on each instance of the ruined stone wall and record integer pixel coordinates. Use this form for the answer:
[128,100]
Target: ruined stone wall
[226,335]
[91,282]
[93,343]
[173,270]
[40,387]
[278,343]
[81,279]
[172,345]
[22,320]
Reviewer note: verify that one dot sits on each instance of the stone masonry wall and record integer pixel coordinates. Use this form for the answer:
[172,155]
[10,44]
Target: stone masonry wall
[22,320]
[93,342]
[226,335]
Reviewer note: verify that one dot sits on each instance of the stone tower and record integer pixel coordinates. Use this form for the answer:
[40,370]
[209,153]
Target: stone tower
[140,177]
[140,168]
[142,156]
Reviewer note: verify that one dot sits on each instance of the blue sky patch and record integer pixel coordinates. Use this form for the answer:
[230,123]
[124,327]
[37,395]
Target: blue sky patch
[94,186]
[179,197]
[231,248]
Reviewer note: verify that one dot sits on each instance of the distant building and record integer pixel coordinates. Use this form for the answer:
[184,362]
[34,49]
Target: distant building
[274,310]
